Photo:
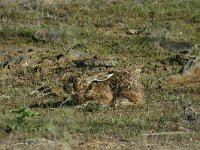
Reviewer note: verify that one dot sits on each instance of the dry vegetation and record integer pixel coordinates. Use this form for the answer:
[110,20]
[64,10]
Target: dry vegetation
[34,38]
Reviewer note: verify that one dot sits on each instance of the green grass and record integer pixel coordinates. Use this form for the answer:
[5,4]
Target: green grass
[99,27]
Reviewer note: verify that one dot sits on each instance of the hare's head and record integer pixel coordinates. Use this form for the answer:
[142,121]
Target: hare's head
[73,82]
[82,82]
[83,89]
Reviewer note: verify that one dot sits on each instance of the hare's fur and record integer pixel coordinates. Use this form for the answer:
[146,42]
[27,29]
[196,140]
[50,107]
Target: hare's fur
[114,87]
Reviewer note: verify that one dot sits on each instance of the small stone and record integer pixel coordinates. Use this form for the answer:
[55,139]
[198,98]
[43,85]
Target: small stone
[133,31]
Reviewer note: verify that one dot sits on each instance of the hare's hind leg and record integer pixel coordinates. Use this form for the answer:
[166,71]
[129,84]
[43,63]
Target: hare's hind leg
[99,92]
[132,98]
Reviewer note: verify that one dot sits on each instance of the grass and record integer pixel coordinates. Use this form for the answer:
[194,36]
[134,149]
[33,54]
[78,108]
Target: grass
[99,27]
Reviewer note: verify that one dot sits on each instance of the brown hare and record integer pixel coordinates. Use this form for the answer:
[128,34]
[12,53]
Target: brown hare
[109,87]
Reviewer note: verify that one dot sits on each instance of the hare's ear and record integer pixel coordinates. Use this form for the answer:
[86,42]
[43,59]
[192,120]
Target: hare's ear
[99,78]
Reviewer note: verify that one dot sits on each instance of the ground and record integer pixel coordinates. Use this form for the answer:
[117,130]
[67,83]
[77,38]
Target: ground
[132,32]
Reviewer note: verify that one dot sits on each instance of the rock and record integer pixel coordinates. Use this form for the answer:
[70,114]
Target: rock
[176,46]
[189,64]
[73,55]
[17,59]
[95,63]
[4,61]
[135,31]
[189,73]
[180,52]
[189,113]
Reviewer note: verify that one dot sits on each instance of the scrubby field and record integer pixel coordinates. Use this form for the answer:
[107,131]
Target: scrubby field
[158,36]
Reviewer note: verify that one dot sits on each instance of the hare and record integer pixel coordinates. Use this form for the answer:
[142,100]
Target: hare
[108,87]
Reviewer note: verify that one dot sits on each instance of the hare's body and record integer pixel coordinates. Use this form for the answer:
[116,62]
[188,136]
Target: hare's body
[126,88]
[115,87]
[95,92]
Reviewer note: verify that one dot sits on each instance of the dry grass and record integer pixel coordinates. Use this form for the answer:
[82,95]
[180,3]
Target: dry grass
[43,30]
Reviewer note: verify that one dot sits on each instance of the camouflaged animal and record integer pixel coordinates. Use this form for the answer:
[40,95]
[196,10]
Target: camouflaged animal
[111,87]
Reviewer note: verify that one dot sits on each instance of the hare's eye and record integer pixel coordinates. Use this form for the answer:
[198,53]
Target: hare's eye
[77,80]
